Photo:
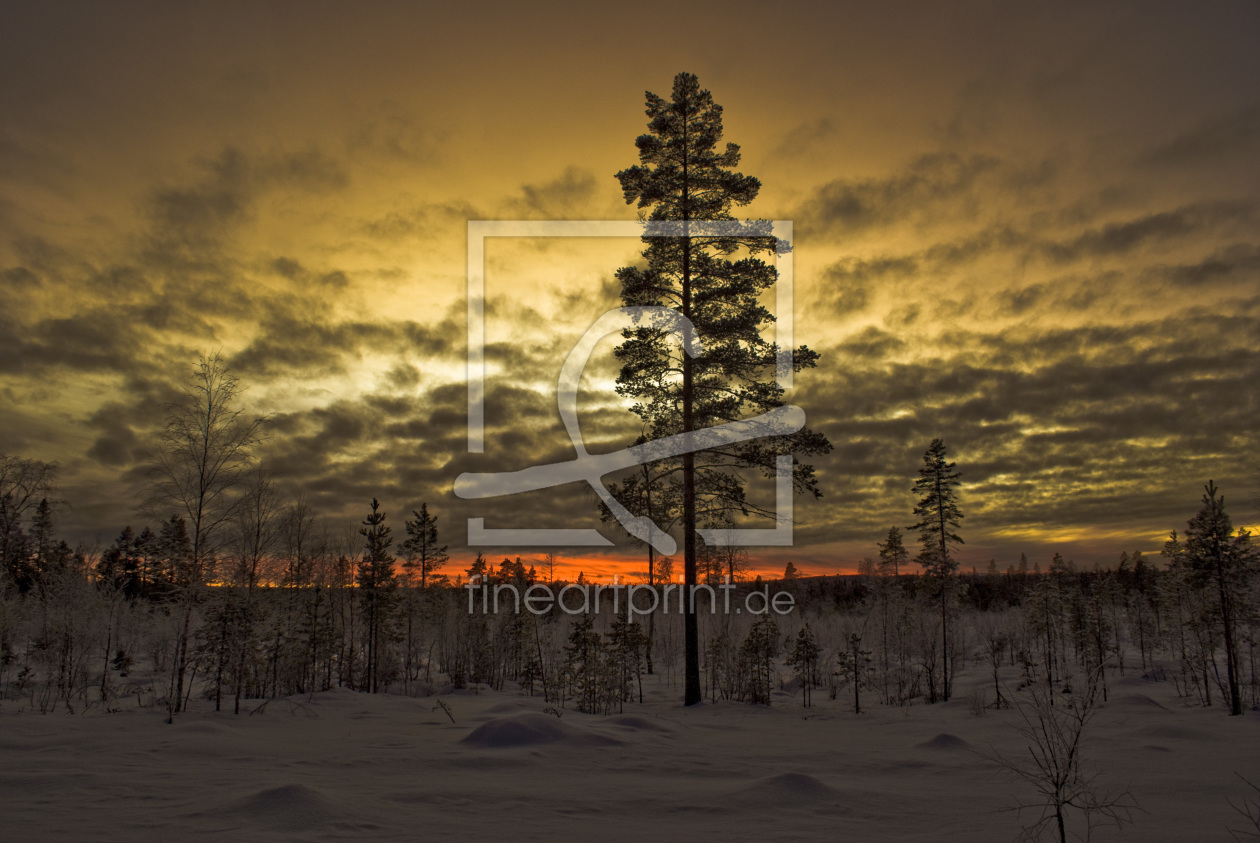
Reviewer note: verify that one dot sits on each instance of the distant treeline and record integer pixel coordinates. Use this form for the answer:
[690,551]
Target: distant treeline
[290,606]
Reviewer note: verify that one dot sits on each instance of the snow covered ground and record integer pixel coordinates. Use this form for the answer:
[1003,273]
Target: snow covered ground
[346,766]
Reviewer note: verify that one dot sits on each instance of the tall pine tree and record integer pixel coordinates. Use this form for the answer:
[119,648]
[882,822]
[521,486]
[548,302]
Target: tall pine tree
[717,283]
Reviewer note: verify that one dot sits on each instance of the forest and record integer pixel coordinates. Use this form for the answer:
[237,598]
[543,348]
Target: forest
[289,604]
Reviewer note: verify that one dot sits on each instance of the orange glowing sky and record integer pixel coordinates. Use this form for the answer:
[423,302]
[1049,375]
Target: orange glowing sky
[1027,229]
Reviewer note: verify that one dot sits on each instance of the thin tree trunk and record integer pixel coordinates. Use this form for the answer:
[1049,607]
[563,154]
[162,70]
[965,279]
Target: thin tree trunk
[1231,660]
[944,581]
[944,645]
[651,632]
[857,700]
[693,693]
[109,640]
[181,659]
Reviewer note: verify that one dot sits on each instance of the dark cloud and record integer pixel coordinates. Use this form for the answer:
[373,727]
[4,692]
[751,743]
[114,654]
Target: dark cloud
[421,221]
[605,297]
[308,171]
[930,180]
[856,276]
[1238,262]
[115,447]
[391,130]
[1119,238]
[114,336]
[190,225]
[287,343]
[850,284]
[221,198]
[870,344]
[403,375]
[289,337]
[802,138]
[288,267]
[903,316]
[125,428]
[853,284]
[19,279]
[42,257]
[336,280]
[95,342]
[559,198]
[1021,300]
[949,255]
[847,285]
[1208,140]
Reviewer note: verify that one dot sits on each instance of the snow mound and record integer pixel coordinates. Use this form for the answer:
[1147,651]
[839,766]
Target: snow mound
[786,788]
[1174,732]
[338,695]
[530,729]
[1136,701]
[507,707]
[291,806]
[203,727]
[944,741]
[629,721]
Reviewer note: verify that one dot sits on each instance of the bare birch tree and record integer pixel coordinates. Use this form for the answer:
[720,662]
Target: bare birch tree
[200,461]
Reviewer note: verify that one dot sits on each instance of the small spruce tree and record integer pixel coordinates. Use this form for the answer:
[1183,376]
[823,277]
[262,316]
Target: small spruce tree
[804,658]
[939,516]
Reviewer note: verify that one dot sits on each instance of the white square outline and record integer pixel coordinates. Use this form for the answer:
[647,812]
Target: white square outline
[478,230]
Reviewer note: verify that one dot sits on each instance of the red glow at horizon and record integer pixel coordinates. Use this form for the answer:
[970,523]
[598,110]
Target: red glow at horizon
[595,568]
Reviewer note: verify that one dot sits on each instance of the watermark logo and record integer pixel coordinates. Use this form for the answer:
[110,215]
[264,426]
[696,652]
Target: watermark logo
[585,598]
[592,468]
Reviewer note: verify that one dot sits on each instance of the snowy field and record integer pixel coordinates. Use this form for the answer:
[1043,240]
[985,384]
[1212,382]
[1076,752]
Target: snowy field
[347,766]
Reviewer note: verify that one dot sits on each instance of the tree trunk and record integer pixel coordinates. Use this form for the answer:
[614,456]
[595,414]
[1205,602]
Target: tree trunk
[693,693]
[109,640]
[181,660]
[651,630]
[944,642]
[1231,656]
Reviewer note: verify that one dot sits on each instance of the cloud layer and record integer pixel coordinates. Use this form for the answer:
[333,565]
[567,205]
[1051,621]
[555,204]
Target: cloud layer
[1043,254]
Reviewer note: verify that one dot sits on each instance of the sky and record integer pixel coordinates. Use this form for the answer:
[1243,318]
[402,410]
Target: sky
[1027,229]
